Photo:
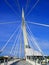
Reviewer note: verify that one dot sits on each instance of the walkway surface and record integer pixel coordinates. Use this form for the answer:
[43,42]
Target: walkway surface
[23,62]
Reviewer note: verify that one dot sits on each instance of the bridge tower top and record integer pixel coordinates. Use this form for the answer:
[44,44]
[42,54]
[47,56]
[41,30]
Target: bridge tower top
[24,29]
[22,13]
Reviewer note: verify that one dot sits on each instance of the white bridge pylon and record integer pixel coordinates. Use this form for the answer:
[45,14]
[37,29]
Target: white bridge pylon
[24,31]
[26,45]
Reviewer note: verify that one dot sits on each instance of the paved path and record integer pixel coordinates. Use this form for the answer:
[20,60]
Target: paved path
[23,62]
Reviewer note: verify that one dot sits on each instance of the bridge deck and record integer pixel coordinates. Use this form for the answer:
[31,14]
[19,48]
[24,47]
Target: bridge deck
[23,62]
[17,62]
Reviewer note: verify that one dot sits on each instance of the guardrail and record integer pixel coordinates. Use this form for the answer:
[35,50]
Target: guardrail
[9,62]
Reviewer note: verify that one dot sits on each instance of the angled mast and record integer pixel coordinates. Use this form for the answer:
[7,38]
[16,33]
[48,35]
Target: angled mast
[24,32]
[24,29]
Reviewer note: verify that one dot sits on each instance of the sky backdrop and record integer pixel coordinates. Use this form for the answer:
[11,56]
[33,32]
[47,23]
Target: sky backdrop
[11,10]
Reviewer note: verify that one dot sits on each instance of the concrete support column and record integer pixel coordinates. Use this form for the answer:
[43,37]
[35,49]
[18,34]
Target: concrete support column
[0,62]
[5,61]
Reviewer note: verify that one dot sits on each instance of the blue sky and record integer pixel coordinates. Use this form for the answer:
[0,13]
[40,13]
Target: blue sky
[9,12]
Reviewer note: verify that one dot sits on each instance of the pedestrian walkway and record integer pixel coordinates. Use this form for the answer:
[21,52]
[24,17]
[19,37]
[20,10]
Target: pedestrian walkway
[22,62]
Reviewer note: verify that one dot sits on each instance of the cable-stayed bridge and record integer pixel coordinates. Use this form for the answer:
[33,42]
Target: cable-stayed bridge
[25,36]
[25,44]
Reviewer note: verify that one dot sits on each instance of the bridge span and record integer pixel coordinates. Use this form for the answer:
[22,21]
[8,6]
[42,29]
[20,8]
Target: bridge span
[16,62]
